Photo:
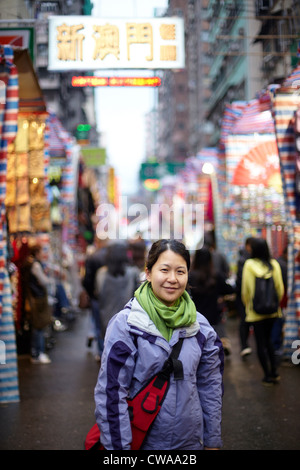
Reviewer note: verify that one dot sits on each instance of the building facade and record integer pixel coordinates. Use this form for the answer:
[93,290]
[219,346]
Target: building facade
[73,106]
[233,50]
[173,103]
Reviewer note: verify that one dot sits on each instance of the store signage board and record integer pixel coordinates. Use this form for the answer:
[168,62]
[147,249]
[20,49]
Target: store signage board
[95,81]
[156,170]
[89,43]
[18,37]
[94,156]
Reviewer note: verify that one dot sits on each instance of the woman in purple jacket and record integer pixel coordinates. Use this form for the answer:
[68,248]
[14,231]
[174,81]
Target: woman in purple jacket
[138,341]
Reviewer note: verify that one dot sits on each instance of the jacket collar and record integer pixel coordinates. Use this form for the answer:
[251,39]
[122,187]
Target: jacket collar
[140,319]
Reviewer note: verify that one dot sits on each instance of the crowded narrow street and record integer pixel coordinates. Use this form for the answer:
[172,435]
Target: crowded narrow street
[150,150]
[56,408]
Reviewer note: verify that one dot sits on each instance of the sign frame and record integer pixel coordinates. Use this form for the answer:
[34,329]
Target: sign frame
[19,37]
[90,43]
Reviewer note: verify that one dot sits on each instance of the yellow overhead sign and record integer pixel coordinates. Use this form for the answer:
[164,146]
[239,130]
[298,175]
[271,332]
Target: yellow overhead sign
[88,43]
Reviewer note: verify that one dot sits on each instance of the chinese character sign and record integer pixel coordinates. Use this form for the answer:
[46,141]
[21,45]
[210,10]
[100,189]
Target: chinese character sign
[88,43]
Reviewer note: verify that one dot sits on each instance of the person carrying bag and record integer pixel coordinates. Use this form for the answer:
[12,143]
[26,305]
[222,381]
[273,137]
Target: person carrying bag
[139,339]
[145,406]
[262,291]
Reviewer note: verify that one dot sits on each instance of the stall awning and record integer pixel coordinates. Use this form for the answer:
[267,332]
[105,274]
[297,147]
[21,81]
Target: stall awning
[30,94]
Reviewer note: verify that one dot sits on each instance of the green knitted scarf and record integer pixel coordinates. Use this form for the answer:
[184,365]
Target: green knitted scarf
[182,313]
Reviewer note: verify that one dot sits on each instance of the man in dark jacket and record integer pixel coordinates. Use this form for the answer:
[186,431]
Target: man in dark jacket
[93,262]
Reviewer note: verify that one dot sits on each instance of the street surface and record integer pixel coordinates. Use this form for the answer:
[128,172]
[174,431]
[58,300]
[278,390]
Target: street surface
[57,405]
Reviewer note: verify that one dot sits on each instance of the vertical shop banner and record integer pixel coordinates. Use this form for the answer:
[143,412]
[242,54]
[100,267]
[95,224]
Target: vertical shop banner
[89,43]
[286,103]
[8,131]
[9,385]
[285,106]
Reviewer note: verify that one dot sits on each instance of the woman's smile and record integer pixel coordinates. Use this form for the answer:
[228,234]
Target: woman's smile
[170,289]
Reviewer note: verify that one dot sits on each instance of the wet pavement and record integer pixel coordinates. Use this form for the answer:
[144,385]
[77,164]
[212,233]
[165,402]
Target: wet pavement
[56,407]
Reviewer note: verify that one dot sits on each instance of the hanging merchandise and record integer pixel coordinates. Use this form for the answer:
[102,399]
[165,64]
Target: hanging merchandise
[191,186]
[26,198]
[213,169]
[286,103]
[28,209]
[254,199]
[297,162]
[64,161]
[9,386]
[63,177]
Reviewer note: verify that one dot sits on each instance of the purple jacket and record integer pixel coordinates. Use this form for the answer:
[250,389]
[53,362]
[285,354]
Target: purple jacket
[134,350]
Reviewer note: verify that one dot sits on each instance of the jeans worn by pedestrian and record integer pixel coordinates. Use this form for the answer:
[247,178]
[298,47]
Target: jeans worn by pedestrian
[38,347]
[97,325]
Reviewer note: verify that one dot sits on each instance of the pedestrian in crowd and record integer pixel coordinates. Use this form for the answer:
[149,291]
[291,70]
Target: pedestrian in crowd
[208,287]
[95,261]
[219,259]
[62,310]
[137,251]
[259,265]
[36,283]
[220,265]
[244,328]
[277,330]
[115,283]
[138,341]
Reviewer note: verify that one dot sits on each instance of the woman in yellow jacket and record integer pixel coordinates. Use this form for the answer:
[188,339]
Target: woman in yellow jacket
[259,265]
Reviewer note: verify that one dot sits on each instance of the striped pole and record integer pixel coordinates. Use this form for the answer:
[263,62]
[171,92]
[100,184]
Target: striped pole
[9,387]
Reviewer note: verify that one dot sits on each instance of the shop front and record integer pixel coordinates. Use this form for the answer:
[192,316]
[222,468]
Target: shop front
[9,383]
[254,197]
[27,204]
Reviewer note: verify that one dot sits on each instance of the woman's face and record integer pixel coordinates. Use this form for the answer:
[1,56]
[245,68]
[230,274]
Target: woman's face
[168,277]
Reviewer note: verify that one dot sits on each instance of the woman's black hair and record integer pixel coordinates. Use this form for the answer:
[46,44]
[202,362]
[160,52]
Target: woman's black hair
[117,259]
[202,275]
[202,257]
[260,250]
[162,245]
[35,249]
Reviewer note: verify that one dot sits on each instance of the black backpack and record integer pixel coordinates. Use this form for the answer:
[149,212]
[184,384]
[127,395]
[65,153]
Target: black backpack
[265,301]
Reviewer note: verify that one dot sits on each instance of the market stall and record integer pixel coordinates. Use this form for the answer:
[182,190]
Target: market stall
[254,202]
[9,385]
[213,168]
[189,188]
[64,154]
[286,103]
[26,200]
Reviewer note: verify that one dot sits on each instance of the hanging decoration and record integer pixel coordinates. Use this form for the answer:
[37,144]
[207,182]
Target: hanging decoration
[259,166]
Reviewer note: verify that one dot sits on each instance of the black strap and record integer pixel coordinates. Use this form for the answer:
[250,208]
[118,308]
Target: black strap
[176,349]
[177,365]
[172,364]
